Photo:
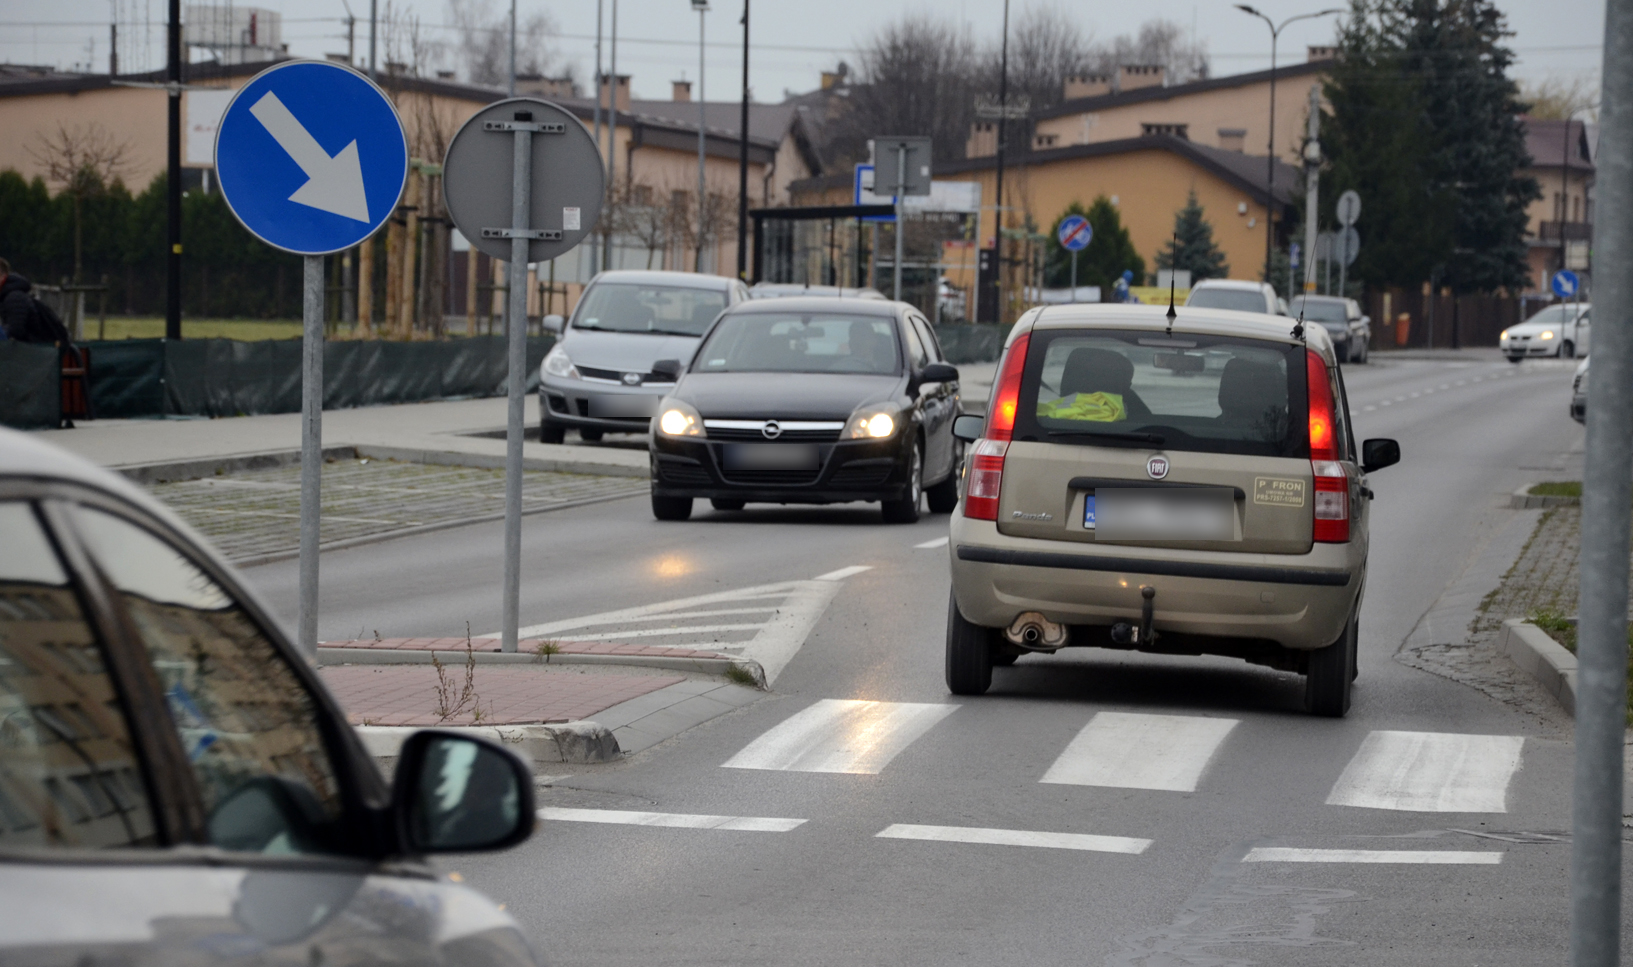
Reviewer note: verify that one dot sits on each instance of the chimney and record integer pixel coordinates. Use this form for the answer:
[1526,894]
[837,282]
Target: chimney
[338,59]
[540,86]
[623,90]
[836,77]
[1322,53]
[682,91]
[1132,77]
[1233,139]
[983,140]
[1087,85]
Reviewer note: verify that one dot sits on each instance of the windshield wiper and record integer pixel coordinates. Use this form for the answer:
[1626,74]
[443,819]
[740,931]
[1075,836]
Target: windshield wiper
[1156,438]
[675,332]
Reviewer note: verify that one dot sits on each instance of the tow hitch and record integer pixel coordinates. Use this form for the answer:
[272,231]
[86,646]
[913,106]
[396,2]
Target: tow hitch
[1124,633]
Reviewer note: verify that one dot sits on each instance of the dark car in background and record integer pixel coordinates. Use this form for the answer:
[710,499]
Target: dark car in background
[1349,329]
[810,401]
[176,784]
[598,376]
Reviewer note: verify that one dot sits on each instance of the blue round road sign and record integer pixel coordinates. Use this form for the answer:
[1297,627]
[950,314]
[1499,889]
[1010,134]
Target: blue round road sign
[1565,284]
[1075,233]
[311,157]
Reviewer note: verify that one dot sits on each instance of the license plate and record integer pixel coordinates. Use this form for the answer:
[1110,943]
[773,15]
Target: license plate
[625,406]
[1149,514]
[770,456]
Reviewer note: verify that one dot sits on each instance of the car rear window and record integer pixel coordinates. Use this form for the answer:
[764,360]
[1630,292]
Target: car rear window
[1213,394]
[1319,310]
[1239,299]
[774,342]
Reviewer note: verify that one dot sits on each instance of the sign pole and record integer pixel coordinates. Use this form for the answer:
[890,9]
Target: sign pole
[901,189]
[1074,275]
[521,182]
[311,451]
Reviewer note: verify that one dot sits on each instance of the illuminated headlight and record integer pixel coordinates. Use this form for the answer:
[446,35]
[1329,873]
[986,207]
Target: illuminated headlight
[874,423]
[1547,334]
[557,363]
[1502,336]
[679,419]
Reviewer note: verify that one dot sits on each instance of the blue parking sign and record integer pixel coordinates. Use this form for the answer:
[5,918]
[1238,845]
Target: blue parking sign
[311,157]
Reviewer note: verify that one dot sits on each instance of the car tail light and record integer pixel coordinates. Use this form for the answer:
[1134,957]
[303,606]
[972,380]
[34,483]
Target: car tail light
[986,479]
[1007,395]
[1331,482]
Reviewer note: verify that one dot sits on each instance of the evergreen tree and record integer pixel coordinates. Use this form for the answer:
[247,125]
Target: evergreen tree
[1108,254]
[1192,248]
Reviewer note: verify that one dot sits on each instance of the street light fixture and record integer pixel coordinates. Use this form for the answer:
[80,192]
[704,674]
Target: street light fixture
[1270,159]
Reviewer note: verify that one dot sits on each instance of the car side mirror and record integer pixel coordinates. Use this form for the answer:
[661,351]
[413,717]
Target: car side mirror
[553,323]
[938,373]
[667,369]
[1378,454]
[969,427]
[456,794]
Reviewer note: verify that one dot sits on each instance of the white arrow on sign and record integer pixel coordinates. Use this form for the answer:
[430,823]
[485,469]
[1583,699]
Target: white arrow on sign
[334,184]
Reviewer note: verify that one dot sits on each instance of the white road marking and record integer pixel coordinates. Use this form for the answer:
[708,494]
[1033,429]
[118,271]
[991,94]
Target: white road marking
[751,824]
[1461,382]
[1369,409]
[931,545]
[1432,772]
[1278,854]
[1129,750]
[844,572]
[840,735]
[1015,837]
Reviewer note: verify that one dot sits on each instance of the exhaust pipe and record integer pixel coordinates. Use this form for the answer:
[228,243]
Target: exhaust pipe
[1034,632]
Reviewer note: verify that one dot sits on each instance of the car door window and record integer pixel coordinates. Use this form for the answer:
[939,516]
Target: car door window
[246,722]
[928,337]
[68,772]
[915,348]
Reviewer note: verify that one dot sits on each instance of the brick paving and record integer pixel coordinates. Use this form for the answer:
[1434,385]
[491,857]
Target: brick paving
[524,646]
[254,514]
[504,694]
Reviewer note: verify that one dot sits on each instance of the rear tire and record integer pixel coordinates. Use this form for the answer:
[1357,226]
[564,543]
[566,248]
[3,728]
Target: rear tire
[671,508]
[1567,350]
[1327,681]
[590,436]
[727,503]
[943,497]
[906,510]
[969,653]
[1515,359]
[551,432]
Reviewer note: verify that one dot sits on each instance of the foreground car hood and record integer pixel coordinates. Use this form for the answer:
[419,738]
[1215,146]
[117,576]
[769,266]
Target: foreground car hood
[783,396]
[626,352]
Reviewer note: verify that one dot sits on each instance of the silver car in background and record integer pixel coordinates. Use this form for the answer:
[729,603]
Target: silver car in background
[598,378]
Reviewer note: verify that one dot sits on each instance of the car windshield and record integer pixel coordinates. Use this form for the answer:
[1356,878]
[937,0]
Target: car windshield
[1208,393]
[771,342]
[1241,300]
[1553,315]
[1318,310]
[635,307]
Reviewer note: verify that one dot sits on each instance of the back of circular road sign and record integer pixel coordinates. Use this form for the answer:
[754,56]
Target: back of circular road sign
[311,157]
[1075,233]
[565,193]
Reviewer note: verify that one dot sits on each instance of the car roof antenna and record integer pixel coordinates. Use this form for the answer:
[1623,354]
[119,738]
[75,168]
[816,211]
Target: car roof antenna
[1171,283]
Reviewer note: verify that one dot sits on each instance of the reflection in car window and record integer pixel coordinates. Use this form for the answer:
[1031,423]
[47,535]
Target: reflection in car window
[771,342]
[629,307]
[245,721]
[1216,394]
[68,773]
[1239,299]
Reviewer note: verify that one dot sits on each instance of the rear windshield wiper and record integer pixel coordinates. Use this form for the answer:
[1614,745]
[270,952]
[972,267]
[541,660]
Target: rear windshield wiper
[1132,437]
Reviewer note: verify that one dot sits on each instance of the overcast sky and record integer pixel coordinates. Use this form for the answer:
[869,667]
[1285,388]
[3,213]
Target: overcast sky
[793,39]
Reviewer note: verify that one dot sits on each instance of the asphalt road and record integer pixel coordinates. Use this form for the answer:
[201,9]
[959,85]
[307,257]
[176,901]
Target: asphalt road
[1229,832]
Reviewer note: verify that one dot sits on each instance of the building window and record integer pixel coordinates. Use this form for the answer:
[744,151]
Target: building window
[1181,131]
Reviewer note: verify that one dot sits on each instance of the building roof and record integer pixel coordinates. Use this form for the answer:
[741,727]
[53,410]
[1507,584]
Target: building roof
[1101,102]
[1556,144]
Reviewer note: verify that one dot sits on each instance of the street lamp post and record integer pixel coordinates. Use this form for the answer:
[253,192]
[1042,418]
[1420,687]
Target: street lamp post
[702,7]
[1270,159]
[742,163]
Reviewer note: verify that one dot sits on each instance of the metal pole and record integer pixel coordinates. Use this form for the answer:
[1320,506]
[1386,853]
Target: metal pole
[1312,192]
[1270,162]
[374,24]
[1343,264]
[998,194]
[612,140]
[702,116]
[311,453]
[742,162]
[1607,492]
[521,180]
[599,79]
[512,48]
[172,306]
[901,188]
[1074,275]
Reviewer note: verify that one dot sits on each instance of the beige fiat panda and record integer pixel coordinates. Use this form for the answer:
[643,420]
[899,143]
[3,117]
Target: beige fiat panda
[1172,481]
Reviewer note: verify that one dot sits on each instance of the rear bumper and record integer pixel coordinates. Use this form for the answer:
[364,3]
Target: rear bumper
[847,471]
[1298,601]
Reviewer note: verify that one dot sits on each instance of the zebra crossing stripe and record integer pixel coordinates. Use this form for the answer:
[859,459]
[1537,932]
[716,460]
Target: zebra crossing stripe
[1278,854]
[1129,750]
[750,824]
[1434,772]
[1014,837]
[840,735]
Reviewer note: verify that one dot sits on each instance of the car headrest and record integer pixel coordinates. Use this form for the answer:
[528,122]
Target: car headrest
[1248,389]
[1090,370]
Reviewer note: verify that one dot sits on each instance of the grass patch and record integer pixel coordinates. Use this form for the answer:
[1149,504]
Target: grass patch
[545,649]
[1559,627]
[1557,488]
[738,675]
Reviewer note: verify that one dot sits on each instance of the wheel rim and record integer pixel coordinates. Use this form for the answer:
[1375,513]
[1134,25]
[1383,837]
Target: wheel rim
[918,477]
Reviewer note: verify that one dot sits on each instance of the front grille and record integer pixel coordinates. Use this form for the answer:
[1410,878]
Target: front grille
[617,376]
[859,476]
[683,473]
[787,436]
[783,478]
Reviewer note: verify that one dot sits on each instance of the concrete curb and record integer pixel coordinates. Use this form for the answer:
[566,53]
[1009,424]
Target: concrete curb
[581,743]
[1542,658]
[166,472]
[1523,499]
[570,463]
[389,656]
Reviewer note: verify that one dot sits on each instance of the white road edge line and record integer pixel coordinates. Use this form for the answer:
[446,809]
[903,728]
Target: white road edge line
[1014,837]
[844,572]
[1280,854]
[750,824]
[931,545]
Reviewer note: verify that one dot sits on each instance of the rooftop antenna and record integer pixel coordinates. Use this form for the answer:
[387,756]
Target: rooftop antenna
[1172,281]
[1298,327]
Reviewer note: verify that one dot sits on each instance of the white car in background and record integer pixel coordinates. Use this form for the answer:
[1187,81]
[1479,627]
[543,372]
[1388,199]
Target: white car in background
[1560,331]
[1239,295]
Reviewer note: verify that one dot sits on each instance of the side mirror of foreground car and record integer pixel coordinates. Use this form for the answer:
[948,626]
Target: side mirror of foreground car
[455,794]
[1378,454]
[669,369]
[938,373]
[969,427]
[553,323]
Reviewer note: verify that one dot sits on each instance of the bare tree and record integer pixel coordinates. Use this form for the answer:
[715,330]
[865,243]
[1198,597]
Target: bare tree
[917,77]
[483,47]
[1160,43]
[84,160]
[1045,47]
[1558,99]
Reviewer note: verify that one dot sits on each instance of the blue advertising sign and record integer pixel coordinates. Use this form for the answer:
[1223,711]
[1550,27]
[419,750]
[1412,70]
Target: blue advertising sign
[311,157]
[1565,283]
[1075,233]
